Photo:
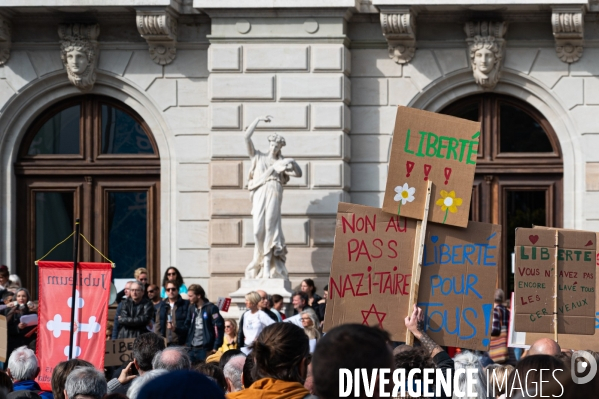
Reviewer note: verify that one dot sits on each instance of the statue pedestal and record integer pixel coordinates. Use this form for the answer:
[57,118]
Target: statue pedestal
[271,286]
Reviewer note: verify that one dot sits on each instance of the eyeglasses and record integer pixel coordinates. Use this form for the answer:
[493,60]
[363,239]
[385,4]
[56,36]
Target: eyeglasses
[228,326]
[143,279]
[151,291]
[136,290]
[263,298]
[171,274]
[172,289]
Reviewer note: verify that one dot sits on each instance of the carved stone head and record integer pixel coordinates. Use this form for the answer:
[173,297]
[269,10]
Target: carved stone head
[79,53]
[486,47]
[485,58]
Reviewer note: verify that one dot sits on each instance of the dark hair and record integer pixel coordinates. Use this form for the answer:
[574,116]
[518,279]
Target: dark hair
[211,370]
[279,351]
[302,295]
[276,298]
[5,382]
[248,366]
[173,283]
[115,395]
[534,363]
[198,290]
[224,359]
[326,288]
[7,294]
[351,346]
[415,358]
[310,283]
[61,372]
[145,347]
[4,271]
[180,384]
[179,279]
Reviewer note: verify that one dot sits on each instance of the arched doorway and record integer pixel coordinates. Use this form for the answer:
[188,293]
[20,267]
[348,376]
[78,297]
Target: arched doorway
[92,158]
[519,171]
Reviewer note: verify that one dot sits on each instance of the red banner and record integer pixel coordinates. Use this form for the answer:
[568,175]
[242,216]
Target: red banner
[91,312]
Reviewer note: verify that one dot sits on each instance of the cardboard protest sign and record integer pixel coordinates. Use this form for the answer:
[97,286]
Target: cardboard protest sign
[571,341]
[3,339]
[429,146]
[118,352]
[457,283]
[534,281]
[371,276]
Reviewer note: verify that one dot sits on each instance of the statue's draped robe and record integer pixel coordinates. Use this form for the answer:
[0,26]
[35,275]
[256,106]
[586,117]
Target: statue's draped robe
[266,193]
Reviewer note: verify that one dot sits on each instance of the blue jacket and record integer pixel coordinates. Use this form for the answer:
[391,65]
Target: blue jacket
[181,309]
[214,326]
[30,385]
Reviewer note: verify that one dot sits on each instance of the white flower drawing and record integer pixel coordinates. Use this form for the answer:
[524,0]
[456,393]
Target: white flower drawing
[404,194]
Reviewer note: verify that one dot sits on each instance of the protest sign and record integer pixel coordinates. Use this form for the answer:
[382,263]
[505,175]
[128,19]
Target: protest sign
[371,276]
[457,283]
[440,148]
[3,339]
[118,352]
[223,303]
[535,281]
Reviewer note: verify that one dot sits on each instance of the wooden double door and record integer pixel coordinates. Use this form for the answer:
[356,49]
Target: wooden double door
[93,159]
[519,172]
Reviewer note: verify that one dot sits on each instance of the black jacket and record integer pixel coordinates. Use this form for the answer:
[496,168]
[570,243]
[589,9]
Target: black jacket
[134,318]
[213,325]
[180,315]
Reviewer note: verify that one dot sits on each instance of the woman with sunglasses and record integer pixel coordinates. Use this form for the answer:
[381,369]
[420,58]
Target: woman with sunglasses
[230,338]
[172,274]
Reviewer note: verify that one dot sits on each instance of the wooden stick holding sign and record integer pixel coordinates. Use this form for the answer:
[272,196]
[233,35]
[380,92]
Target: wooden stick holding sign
[417,260]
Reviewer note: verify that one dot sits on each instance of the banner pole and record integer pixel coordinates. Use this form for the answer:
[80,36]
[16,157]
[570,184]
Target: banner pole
[417,259]
[74,293]
[555,289]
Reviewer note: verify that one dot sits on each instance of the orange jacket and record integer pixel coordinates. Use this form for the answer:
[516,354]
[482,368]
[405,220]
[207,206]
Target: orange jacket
[269,388]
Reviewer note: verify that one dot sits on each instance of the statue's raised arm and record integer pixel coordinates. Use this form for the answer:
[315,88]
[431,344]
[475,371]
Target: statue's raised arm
[250,131]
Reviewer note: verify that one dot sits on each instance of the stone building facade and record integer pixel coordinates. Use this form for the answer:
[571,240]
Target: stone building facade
[331,74]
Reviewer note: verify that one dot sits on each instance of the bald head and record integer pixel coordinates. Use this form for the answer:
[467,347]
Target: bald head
[545,346]
[171,359]
[263,304]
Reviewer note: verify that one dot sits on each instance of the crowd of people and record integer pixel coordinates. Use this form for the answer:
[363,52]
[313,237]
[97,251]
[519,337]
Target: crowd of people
[184,348]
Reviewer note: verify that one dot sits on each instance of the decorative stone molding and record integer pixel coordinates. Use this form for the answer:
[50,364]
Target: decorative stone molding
[159,28]
[487,48]
[568,30]
[79,53]
[4,40]
[399,28]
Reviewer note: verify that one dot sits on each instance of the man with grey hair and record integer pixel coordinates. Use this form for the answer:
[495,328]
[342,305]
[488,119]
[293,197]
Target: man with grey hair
[232,372]
[142,380]
[85,383]
[22,369]
[136,314]
[171,359]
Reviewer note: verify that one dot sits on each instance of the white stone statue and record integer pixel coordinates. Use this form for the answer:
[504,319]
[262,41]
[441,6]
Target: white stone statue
[485,57]
[79,53]
[268,173]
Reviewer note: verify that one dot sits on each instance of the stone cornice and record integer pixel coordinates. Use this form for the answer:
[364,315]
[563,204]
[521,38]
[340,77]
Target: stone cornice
[568,30]
[399,28]
[159,28]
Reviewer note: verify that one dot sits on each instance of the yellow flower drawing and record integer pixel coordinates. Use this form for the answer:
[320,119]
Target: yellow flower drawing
[448,202]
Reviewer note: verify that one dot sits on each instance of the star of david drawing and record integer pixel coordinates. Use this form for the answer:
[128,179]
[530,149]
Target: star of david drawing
[380,316]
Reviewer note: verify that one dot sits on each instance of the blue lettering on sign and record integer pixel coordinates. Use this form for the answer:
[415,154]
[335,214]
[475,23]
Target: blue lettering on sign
[436,320]
[596,320]
[450,285]
[466,254]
